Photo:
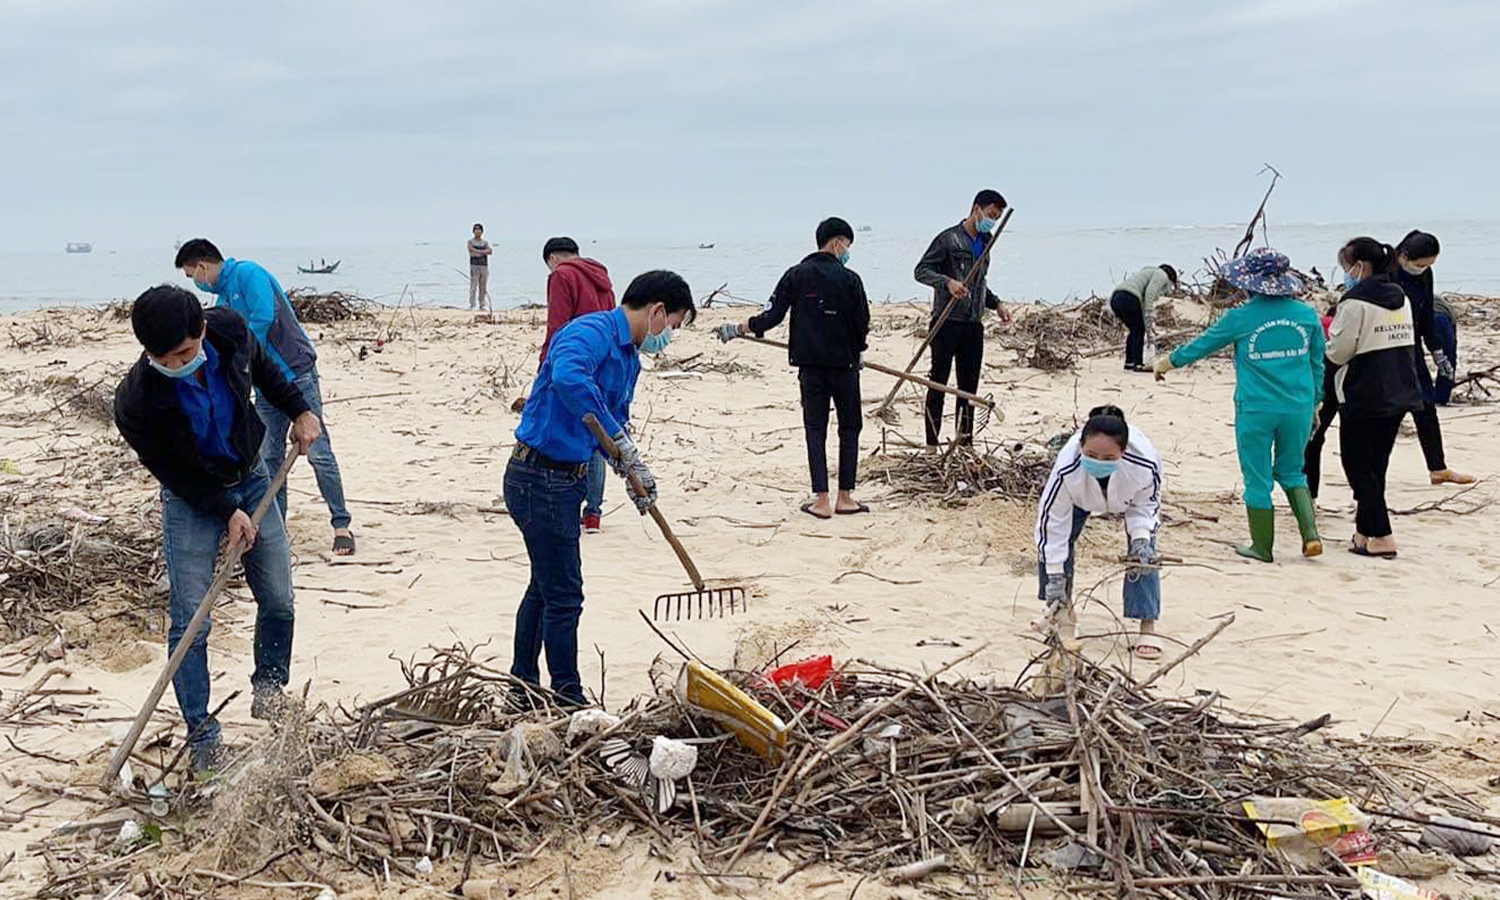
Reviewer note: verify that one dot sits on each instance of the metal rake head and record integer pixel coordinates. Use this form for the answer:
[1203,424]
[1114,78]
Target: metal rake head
[709,603]
[985,413]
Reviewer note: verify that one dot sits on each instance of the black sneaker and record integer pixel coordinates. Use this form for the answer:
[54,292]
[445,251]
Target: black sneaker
[206,757]
[269,704]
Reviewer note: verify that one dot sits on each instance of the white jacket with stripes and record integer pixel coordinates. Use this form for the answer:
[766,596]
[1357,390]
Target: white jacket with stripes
[1134,489]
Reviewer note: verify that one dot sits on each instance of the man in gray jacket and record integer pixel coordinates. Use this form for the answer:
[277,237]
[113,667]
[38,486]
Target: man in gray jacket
[948,267]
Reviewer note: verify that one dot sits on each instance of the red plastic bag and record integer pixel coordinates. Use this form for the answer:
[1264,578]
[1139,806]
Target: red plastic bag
[812,673]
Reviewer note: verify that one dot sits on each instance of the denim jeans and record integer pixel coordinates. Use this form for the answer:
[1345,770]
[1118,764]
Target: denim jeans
[544,505]
[190,542]
[1142,590]
[325,467]
[593,500]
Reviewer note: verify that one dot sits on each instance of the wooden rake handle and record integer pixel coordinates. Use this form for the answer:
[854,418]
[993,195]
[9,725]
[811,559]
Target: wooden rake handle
[894,373]
[608,444]
[195,625]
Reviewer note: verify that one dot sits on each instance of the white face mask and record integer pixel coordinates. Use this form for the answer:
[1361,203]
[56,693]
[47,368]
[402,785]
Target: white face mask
[1413,269]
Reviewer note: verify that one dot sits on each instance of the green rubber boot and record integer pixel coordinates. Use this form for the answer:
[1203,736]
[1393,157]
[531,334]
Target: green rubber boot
[1262,535]
[1307,520]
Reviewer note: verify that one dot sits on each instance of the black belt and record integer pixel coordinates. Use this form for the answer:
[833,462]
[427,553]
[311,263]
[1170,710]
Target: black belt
[529,454]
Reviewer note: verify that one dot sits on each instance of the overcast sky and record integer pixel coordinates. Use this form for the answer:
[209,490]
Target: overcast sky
[130,123]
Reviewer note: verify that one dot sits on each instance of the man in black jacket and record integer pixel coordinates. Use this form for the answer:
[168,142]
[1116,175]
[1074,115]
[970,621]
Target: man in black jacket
[185,409]
[830,325]
[948,267]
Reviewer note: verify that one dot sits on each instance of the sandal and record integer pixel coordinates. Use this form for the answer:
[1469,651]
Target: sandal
[343,545]
[807,508]
[1148,648]
[861,508]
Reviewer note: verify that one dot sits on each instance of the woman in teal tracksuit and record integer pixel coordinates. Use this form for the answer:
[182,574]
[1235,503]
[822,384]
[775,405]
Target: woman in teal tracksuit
[1278,363]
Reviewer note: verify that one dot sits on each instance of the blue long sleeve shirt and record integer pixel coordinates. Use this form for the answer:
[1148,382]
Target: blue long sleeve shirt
[591,367]
[1278,353]
[210,408]
[254,293]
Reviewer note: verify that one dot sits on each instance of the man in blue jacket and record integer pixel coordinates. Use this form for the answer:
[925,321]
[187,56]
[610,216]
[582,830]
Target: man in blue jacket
[248,289]
[591,367]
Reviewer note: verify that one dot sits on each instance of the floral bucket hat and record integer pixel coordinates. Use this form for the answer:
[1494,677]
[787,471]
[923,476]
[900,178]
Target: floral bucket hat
[1263,271]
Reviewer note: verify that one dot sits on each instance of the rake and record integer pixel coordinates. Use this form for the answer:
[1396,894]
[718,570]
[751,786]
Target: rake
[702,602]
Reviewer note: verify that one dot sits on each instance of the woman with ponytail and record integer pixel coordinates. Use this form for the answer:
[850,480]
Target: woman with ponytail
[1371,347]
[1107,467]
[1414,258]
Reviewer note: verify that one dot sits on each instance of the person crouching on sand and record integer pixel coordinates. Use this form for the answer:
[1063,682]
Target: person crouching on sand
[830,330]
[1278,384]
[1107,467]
[185,409]
[1134,304]
[592,366]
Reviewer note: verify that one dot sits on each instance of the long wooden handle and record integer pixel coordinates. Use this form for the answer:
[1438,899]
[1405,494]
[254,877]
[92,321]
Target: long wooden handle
[608,444]
[195,625]
[895,373]
[943,316]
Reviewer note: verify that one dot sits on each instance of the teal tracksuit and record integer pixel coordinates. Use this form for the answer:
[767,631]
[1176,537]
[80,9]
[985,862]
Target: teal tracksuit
[1278,367]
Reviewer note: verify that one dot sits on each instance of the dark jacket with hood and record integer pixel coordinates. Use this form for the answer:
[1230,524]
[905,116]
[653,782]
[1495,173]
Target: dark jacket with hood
[153,423]
[951,255]
[830,313]
[1371,344]
[579,286]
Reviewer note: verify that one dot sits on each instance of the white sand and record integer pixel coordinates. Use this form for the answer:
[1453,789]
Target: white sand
[1339,634]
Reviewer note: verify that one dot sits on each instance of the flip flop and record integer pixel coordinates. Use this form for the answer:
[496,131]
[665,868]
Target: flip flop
[1357,550]
[807,508]
[861,508]
[343,545]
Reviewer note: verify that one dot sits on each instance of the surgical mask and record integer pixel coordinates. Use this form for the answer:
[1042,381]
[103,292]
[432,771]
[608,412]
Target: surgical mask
[656,343]
[844,257]
[985,226]
[1349,281]
[202,285]
[1411,269]
[1100,468]
[184,371]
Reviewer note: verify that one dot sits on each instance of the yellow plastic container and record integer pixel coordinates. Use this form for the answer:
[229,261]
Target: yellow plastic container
[746,718]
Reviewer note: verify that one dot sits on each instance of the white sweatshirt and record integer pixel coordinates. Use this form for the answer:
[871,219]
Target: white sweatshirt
[1134,489]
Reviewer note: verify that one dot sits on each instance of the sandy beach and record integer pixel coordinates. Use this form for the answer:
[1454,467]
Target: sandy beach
[423,430]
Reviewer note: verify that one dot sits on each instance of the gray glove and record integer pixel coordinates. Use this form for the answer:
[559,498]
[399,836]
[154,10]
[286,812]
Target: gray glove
[729,332]
[1142,552]
[1444,365]
[1055,592]
[627,461]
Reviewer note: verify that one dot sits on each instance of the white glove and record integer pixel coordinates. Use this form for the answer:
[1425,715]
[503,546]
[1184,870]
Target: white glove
[729,332]
[1055,592]
[627,462]
[1444,365]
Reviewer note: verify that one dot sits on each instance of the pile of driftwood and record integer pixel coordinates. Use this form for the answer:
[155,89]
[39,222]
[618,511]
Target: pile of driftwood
[886,772]
[62,564]
[1015,471]
[1054,338]
[333,306]
[698,364]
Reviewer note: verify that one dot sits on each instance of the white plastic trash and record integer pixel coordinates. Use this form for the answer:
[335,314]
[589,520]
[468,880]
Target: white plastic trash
[672,760]
[130,831]
[424,866]
[589,722]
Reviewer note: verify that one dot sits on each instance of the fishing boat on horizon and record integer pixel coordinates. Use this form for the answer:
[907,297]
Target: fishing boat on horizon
[324,267]
[79,247]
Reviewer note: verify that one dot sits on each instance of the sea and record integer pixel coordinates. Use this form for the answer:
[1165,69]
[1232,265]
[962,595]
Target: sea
[1030,264]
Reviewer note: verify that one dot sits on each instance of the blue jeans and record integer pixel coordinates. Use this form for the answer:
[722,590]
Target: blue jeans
[1142,590]
[190,543]
[593,499]
[544,505]
[1447,335]
[325,467]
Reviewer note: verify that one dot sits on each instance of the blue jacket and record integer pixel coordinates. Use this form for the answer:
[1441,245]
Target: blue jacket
[248,289]
[591,367]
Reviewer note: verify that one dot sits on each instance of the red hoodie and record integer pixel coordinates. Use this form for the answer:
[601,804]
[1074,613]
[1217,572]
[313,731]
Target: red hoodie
[579,286]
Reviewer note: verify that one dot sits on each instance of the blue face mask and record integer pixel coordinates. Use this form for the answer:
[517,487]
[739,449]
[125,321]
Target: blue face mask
[1100,468]
[844,257]
[186,370]
[203,286]
[1349,281]
[985,226]
[656,343]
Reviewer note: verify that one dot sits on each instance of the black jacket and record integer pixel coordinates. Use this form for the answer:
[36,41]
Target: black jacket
[951,255]
[1372,343]
[830,313]
[151,419]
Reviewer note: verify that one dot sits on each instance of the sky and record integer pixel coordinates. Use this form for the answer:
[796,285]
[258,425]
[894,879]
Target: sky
[276,123]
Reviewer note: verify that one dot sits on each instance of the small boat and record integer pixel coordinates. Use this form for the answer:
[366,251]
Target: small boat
[705,246]
[79,247]
[327,269]
[863,229]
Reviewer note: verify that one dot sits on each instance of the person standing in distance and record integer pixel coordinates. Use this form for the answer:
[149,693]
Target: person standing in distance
[948,267]
[254,293]
[591,367]
[479,270]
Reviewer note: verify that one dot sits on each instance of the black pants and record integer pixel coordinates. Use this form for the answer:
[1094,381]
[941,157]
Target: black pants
[841,386]
[1429,430]
[1127,308]
[1312,457]
[962,342]
[1366,445]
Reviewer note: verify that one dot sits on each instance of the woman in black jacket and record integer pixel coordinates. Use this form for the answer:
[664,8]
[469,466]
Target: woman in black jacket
[1372,345]
[1413,272]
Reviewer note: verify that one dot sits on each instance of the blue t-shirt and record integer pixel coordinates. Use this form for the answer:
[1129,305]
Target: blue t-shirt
[210,408]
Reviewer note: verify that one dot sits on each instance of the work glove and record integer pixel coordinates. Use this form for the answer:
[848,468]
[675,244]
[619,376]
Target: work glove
[1055,592]
[1163,364]
[1444,365]
[628,460]
[1142,553]
[729,332]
